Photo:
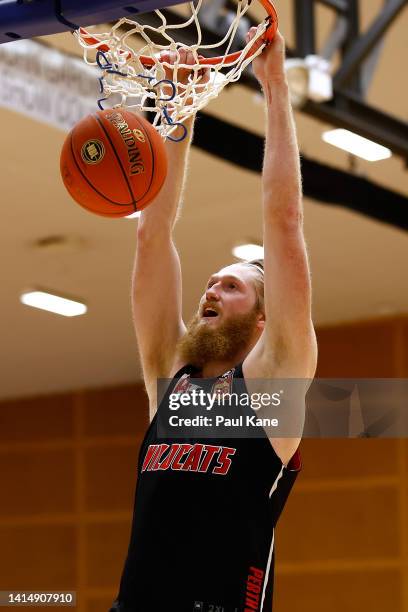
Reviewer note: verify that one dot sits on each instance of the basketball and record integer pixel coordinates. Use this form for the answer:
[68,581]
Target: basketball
[113,163]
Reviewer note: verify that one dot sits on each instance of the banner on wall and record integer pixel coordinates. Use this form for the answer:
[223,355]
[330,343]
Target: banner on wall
[46,84]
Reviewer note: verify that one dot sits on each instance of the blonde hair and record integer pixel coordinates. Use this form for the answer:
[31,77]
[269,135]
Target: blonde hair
[258,264]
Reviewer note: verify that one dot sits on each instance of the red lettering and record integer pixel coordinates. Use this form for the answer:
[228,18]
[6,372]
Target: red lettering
[193,459]
[210,450]
[165,464]
[184,448]
[253,588]
[162,450]
[224,461]
[257,572]
[151,451]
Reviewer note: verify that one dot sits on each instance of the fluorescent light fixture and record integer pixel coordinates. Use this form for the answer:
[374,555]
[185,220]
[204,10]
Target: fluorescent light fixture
[247,252]
[297,75]
[53,303]
[357,145]
[134,215]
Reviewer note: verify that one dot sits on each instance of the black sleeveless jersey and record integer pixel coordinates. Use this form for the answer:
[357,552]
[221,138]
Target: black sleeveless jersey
[202,536]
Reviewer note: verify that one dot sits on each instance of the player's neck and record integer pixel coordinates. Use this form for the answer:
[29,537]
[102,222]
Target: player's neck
[212,369]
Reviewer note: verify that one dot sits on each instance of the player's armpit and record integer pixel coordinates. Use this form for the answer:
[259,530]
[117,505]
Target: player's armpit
[278,400]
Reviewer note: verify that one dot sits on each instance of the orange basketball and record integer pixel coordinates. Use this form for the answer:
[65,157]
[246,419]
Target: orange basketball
[113,163]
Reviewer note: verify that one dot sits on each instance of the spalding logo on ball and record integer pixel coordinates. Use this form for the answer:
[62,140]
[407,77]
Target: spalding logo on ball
[113,163]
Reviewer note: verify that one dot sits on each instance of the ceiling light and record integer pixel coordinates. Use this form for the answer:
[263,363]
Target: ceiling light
[134,215]
[246,252]
[320,79]
[53,303]
[297,75]
[309,78]
[357,145]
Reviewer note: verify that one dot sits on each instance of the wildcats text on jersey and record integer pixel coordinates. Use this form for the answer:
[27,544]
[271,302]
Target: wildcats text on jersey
[189,458]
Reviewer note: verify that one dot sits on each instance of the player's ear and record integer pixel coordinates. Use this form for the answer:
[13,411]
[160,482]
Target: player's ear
[261,321]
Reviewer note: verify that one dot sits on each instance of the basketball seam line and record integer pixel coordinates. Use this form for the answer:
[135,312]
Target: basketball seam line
[90,184]
[132,195]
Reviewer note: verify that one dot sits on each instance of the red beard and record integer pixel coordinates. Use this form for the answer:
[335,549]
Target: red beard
[203,343]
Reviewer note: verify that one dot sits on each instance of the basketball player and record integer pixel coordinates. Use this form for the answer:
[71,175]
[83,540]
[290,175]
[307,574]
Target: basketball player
[205,509]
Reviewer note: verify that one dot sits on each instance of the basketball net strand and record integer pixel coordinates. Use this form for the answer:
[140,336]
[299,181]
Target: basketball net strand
[147,88]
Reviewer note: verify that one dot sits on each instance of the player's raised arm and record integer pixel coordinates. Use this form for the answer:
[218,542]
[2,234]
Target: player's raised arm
[287,348]
[289,340]
[157,285]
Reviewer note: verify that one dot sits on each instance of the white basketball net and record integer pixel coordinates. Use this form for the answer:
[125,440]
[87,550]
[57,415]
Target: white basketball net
[146,88]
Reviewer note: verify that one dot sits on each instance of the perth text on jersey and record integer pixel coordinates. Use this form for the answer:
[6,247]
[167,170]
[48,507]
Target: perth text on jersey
[253,589]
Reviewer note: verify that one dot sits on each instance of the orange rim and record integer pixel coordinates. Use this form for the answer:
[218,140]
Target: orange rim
[272,17]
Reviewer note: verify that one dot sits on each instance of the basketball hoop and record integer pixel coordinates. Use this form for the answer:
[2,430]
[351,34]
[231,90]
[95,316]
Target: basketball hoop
[138,78]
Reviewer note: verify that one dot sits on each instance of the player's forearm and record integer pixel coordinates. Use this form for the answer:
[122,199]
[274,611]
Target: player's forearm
[281,178]
[163,212]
